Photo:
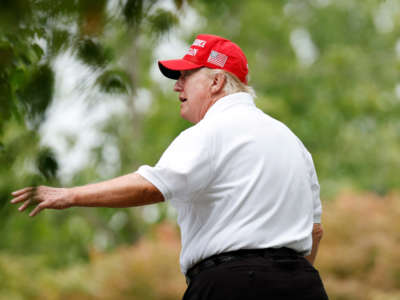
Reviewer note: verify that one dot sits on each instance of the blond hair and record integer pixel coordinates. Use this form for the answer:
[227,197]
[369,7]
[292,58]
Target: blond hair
[232,83]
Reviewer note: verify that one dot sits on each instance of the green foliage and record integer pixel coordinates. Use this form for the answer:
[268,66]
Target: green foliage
[47,163]
[342,102]
[32,35]
[36,94]
[148,270]
[93,53]
[162,21]
[115,81]
[133,12]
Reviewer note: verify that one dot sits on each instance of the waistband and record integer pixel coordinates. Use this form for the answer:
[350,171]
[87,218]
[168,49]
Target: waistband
[218,259]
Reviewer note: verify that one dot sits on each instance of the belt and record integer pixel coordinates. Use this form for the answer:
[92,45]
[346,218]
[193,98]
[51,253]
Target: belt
[218,259]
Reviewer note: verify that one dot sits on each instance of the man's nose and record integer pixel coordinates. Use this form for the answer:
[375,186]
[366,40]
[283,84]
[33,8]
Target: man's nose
[178,85]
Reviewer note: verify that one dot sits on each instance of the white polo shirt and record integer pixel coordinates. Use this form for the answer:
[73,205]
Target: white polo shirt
[239,179]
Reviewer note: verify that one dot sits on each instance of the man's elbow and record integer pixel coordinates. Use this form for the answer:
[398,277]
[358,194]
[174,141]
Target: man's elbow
[149,192]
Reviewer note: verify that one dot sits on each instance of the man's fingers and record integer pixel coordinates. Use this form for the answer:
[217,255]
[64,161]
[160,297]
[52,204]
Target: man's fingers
[37,210]
[25,205]
[21,198]
[22,191]
[30,196]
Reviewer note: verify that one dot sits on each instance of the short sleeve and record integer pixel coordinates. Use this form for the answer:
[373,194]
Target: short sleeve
[184,169]
[316,198]
[314,185]
[315,188]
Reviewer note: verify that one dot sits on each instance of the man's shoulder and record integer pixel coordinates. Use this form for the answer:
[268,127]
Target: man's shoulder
[238,117]
[195,134]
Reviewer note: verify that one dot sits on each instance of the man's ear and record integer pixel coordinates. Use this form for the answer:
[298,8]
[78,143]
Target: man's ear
[218,83]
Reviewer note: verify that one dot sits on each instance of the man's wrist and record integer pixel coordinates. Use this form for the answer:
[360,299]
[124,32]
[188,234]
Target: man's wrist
[72,197]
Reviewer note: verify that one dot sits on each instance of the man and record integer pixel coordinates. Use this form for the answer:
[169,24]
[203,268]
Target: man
[243,184]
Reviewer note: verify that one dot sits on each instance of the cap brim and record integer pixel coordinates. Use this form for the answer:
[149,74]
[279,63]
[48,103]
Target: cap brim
[172,68]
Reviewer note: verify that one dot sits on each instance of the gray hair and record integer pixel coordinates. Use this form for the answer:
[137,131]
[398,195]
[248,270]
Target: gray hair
[232,84]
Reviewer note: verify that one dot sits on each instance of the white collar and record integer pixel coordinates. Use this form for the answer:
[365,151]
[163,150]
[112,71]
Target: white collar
[228,101]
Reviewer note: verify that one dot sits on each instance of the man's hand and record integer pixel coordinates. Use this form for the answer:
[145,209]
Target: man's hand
[44,197]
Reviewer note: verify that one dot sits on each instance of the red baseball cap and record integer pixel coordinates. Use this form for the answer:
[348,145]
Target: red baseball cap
[209,51]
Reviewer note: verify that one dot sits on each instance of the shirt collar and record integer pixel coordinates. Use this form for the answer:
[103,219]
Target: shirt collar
[229,101]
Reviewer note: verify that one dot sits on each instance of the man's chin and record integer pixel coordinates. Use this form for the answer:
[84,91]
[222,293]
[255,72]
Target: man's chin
[187,118]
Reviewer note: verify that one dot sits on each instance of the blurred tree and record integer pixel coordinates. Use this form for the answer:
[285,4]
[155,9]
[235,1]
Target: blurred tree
[326,68]
[329,70]
[32,35]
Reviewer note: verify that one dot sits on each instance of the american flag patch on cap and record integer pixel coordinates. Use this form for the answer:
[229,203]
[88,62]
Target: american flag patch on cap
[217,58]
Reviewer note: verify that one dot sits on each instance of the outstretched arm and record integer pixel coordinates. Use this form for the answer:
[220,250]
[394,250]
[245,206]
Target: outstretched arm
[123,191]
[317,234]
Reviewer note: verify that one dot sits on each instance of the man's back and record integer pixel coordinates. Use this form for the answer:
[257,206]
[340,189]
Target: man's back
[259,192]
[239,179]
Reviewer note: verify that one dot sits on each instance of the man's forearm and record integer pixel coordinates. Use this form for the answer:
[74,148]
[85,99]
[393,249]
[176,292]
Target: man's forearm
[123,191]
[317,234]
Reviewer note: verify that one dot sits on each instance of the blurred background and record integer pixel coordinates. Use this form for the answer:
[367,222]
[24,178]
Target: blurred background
[82,100]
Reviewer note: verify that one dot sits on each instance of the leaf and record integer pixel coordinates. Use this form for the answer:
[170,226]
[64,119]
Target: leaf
[59,41]
[37,94]
[115,81]
[38,50]
[6,57]
[47,163]
[162,21]
[93,53]
[31,55]
[133,12]
[14,13]
[17,79]
[6,103]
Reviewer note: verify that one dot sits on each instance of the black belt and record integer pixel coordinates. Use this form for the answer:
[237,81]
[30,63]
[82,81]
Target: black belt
[218,259]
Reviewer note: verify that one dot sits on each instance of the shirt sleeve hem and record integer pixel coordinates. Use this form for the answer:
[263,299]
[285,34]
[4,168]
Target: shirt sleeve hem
[147,174]
[317,219]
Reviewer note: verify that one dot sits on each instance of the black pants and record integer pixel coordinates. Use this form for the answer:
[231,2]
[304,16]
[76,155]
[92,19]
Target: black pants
[271,277]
